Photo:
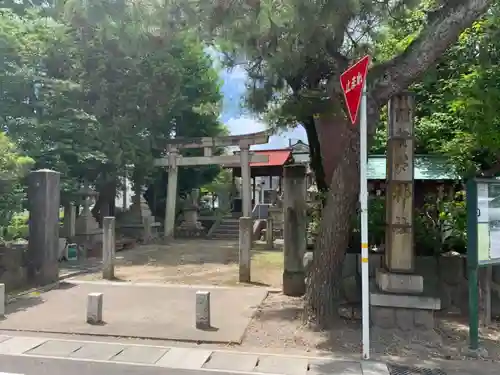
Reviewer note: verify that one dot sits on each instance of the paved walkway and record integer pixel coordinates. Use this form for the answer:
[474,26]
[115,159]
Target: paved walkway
[136,310]
[185,358]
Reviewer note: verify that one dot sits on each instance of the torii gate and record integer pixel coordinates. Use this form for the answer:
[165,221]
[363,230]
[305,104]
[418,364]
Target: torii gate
[173,160]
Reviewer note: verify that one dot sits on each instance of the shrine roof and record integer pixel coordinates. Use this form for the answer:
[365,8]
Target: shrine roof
[277,158]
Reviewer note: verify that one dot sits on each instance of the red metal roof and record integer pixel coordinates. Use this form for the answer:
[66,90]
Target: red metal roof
[277,158]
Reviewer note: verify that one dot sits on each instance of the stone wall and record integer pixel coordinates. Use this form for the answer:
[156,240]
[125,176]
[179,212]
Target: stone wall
[13,266]
[444,277]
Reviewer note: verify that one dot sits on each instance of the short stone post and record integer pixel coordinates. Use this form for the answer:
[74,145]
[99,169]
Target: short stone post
[94,308]
[203,310]
[246,226]
[269,234]
[108,248]
[2,300]
[295,229]
[43,248]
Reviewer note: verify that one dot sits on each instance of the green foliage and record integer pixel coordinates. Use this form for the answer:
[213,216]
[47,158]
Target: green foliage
[457,100]
[292,48]
[13,168]
[102,84]
[17,229]
[314,215]
[439,225]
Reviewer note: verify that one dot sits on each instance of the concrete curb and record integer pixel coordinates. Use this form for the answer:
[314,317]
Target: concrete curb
[23,348]
[13,297]
[71,274]
[118,336]
[166,285]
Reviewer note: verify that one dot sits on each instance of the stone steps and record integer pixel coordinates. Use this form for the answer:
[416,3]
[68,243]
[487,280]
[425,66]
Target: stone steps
[228,228]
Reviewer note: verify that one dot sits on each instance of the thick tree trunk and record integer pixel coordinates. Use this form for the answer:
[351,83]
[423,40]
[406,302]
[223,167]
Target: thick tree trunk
[105,201]
[315,153]
[340,148]
[340,151]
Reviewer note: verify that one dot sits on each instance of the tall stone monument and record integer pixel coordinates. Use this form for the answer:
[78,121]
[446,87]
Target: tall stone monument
[398,299]
[43,248]
[295,229]
[399,256]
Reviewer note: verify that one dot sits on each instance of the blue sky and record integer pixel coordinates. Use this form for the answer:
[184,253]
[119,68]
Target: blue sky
[239,121]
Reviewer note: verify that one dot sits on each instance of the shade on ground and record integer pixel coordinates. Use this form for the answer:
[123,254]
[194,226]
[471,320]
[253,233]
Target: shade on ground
[156,312]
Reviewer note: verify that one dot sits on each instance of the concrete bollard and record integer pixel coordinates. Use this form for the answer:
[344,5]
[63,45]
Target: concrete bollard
[245,245]
[203,310]
[94,308]
[108,248]
[2,300]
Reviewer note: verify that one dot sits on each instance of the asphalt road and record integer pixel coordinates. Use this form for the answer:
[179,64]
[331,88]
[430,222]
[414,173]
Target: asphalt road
[19,365]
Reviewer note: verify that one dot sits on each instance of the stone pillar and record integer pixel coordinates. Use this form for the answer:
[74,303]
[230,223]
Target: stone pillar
[43,248]
[69,220]
[270,233]
[246,188]
[171,200]
[108,248]
[399,259]
[295,229]
[245,236]
[397,299]
[147,223]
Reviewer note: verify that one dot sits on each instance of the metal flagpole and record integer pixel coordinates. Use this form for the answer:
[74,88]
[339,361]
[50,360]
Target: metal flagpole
[363,200]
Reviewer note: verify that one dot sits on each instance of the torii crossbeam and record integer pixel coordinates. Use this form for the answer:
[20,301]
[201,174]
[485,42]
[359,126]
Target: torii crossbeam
[174,160]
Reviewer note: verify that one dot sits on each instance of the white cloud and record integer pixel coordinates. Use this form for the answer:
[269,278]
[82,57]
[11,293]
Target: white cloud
[238,121]
[246,125]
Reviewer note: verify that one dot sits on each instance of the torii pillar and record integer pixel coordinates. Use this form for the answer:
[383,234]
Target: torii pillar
[174,160]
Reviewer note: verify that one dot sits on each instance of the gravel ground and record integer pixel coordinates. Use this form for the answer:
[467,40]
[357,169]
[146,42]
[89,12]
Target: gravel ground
[206,262]
[278,326]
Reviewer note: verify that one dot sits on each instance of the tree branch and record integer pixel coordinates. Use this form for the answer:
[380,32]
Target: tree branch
[443,28]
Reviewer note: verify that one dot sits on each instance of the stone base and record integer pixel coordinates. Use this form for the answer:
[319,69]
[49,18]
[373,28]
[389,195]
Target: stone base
[399,283]
[188,230]
[294,284]
[89,238]
[403,319]
[405,312]
[138,232]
